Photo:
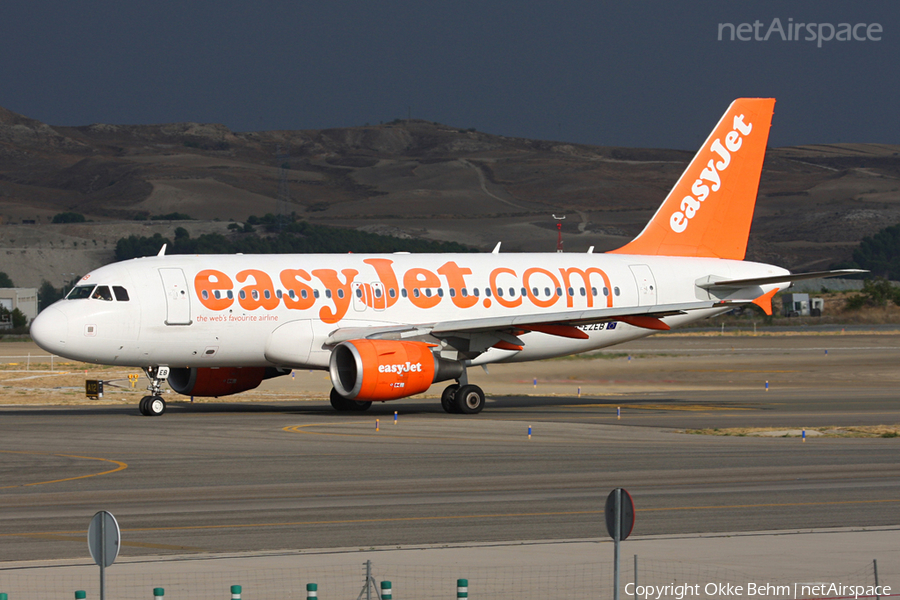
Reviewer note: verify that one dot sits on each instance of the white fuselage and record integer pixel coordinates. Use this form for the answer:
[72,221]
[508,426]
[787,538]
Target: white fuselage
[227,310]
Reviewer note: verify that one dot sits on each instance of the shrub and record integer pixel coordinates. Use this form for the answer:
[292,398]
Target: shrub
[876,292]
[69,217]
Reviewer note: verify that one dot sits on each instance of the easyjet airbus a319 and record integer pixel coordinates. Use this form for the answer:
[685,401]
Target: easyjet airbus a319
[389,326]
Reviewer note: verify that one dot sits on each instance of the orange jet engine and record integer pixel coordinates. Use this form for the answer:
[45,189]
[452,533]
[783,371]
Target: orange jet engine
[387,369]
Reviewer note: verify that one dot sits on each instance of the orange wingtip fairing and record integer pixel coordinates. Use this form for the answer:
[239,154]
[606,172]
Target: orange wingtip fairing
[708,212]
[765,301]
[566,331]
[646,322]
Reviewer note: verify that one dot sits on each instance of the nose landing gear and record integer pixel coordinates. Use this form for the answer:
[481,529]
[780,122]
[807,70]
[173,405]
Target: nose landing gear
[153,405]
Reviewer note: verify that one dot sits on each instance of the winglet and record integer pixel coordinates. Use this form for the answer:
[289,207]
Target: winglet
[162,251]
[708,212]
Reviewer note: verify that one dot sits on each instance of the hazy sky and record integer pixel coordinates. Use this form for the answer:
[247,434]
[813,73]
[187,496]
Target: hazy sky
[628,73]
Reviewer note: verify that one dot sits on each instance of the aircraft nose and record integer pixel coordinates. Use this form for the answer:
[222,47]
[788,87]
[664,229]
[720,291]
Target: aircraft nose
[49,330]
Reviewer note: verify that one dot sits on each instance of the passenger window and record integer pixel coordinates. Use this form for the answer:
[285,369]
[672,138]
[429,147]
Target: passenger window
[428,292]
[500,292]
[217,294]
[392,292]
[316,293]
[475,292]
[441,292]
[205,295]
[230,295]
[487,292]
[616,290]
[512,292]
[121,293]
[404,293]
[547,292]
[102,293]
[80,293]
[453,292]
[416,292]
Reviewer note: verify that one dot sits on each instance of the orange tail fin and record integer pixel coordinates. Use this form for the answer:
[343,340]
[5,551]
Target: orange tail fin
[708,212]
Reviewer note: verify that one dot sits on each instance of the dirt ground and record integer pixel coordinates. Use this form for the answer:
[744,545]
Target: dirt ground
[668,362]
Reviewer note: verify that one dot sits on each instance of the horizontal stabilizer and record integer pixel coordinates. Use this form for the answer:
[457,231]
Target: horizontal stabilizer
[742,283]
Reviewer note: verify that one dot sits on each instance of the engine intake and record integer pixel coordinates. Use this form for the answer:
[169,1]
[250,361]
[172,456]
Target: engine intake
[387,369]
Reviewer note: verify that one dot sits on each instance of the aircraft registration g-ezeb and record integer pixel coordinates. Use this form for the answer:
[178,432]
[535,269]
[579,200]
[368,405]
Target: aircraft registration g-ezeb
[389,326]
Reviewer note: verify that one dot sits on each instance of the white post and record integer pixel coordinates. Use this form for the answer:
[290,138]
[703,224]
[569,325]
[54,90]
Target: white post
[618,530]
[102,557]
[635,577]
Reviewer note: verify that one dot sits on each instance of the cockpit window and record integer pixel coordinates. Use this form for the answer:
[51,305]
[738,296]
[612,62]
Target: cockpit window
[121,293]
[80,292]
[102,293]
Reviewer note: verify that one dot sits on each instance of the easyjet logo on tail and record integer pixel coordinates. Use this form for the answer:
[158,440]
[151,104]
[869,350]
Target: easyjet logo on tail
[710,179]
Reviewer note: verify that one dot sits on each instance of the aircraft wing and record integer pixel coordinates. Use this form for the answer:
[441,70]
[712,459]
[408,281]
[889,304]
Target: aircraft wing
[556,323]
[574,317]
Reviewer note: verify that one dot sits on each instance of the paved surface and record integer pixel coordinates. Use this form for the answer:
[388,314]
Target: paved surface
[271,475]
[523,569]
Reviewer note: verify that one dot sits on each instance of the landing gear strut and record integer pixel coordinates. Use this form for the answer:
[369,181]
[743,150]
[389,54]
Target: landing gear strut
[153,405]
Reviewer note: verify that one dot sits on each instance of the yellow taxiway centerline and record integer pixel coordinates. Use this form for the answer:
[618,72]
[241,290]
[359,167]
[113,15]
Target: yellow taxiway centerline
[454,517]
[121,466]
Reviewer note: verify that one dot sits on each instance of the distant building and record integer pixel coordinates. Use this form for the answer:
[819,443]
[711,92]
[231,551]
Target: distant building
[799,305]
[25,299]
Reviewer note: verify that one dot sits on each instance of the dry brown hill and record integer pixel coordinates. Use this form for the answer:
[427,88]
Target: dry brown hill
[408,177]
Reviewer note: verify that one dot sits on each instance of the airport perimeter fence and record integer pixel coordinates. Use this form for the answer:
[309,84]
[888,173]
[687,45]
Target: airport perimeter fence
[201,580]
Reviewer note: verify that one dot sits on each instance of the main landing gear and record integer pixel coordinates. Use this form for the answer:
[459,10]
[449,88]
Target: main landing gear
[462,398]
[153,405]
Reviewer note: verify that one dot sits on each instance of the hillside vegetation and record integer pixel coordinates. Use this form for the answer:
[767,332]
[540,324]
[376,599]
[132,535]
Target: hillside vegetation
[409,179]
